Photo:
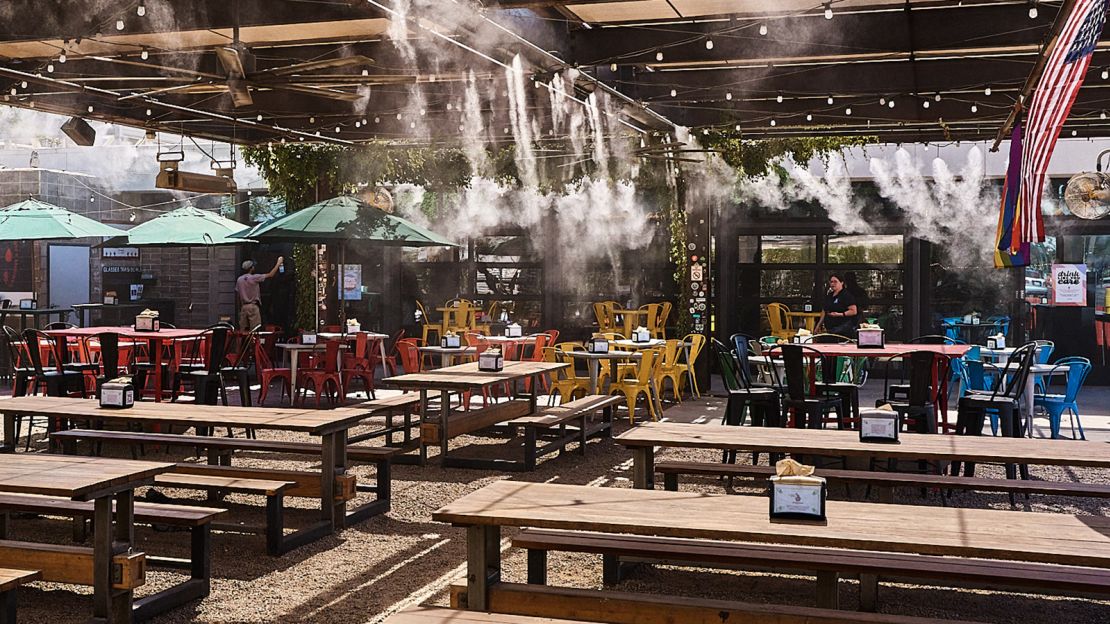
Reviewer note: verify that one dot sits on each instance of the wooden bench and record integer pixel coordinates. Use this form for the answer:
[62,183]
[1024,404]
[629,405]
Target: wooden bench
[403,404]
[618,551]
[198,521]
[887,481]
[439,615]
[10,581]
[551,424]
[220,449]
[634,608]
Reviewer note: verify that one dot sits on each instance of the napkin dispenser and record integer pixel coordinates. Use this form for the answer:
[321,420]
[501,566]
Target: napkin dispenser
[870,336]
[597,344]
[147,321]
[803,336]
[353,326]
[110,298]
[118,393]
[879,425]
[28,304]
[450,340]
[308,338]
[997,341]
[491,360]
[796,494]
[641,334]
[513,330]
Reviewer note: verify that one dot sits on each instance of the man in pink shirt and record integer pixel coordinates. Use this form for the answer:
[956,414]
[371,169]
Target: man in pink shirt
[248,288]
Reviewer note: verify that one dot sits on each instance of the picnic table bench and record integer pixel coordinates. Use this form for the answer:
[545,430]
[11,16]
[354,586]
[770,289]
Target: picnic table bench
[462,379]
[959,534]
[10,581]
[644,439]
[575,413]
[217,477]
[619,552]
[439,615]
[197,520]
[886,481]
[403,404]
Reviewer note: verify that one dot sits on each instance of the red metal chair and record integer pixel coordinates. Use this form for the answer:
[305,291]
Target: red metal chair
[391,363]
[325,373]
[267,373]
[409,351]
[358,365]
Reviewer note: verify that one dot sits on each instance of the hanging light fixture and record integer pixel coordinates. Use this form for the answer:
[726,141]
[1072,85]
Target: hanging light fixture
[830,100]
[1033,9]
[659,55]
[848,111]
[708,44]
[144,54]
[778,98]
[728,95]
[987,91]
[828,11]
[141,9]
[119,24]
[763,29]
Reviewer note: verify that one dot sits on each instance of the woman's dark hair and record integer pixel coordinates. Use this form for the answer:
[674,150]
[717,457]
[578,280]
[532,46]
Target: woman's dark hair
[837,275]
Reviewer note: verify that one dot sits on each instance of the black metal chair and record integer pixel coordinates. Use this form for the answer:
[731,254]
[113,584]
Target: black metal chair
[764,403]
[205,356]
[918,407]
[809,409]
[108,366]
[238,366]
[1005,399]
[830,383]
[21,370]
[58,380]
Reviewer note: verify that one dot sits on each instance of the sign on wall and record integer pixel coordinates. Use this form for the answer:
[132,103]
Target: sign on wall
[119,252]
[352,282]
[1069,283]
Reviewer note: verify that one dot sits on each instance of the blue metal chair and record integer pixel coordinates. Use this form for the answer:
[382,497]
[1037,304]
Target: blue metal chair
[1003,322]
[1044,356]
[1055,405]
[948,325]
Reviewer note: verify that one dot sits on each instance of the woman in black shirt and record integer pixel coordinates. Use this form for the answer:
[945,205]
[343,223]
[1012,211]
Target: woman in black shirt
[840,314]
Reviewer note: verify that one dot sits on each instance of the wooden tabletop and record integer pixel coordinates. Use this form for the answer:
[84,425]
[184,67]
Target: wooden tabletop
[80,478]
[312,421]
[833,442]
[851,350]
[989,533]
[464,376]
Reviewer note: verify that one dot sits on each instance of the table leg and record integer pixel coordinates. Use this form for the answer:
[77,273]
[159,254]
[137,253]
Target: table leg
[643,467]
[155,346]
[595,372]
[293,356]
[444,414]
[111,536]
[381,349]
[423,415]
[334,464]
[1030,388]
[483,564]
[10,443]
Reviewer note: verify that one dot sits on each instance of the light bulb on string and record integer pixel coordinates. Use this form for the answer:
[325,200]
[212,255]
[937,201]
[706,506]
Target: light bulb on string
[14,91]
[937,97]
[925,104]
[974,108]
[149,112]
[1075,133]
[673,93]
[828,11]
[90,109]
[23,84]
[778,98]
[62,57]
[848,111]
[763,29]
[612,67]
[377,120]
[882,101]
[1105,74]
[728,95]
[773,124]
[738,127]
[141,9]
[337,129]
[890,103]
[144,54]
[659,55]
[1033,9]
[398,116]
[708,44]
[311,120]
[830,100]
[119,24]
[259,117]
[50,68]
[987,91]
[809,117]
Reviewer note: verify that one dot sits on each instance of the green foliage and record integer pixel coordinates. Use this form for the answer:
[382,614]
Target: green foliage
[299,173]
[304,261]
[753,158]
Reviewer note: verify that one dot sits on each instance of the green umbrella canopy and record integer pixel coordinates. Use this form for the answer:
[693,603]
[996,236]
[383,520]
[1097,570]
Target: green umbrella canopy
[32,219]
[344,218]
[185,227]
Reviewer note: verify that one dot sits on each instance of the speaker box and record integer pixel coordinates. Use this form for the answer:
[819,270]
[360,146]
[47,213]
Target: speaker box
[79,131]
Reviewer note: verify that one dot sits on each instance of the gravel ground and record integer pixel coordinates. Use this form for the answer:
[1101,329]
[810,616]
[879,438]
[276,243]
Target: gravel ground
[375,568]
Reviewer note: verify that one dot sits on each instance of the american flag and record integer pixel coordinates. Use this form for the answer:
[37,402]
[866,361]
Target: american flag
[1063,75]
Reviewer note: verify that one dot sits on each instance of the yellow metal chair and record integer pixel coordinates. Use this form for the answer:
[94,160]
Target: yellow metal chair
[606,319]
[664,315]
[643,383]
[650,318]
[697,343]
[779,320]
[427,328]
[670,367]
[565,382]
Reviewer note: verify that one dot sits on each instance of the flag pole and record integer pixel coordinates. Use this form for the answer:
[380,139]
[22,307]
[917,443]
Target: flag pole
[1038,69]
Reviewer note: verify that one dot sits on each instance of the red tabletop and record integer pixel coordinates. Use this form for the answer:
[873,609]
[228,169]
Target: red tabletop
[851,350]
[128,332]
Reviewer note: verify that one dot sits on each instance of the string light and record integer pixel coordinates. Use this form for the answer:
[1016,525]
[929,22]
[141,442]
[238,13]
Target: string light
[708,44]
[141,10]
[937,98]
[828,11]
[62,57]
[830,100]
[313,119]
[50,68]
[882,101]
[23,84]
[778,98]
[809,117]
[925,104]
[974,108]
[659,55]
[773,124]
[987,91]
[673,93]
[890,103]
[1033,9]
[377,120]
[149,112]
[848,111]
[14,91]
[612,67]
[738,127]
[119,24]
[1105,74]
[763,29]
[1102,115]
[259,117]
[398,116]
[728,95]
[90,109]
[144,54]
[1075,133]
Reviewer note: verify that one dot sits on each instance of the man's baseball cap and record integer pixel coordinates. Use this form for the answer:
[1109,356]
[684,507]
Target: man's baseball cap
[248,265]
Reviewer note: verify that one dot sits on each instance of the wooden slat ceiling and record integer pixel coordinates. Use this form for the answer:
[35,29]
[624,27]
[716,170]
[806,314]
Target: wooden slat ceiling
[657,54]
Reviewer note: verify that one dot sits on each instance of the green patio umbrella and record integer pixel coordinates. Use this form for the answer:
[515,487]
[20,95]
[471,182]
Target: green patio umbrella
[185,227]
[32,219]
[342,219]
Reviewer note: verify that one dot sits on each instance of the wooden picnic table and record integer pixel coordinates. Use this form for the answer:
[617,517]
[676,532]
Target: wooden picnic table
[987,533]
[103,481]
[330,425]
[920,446]
[464,378]
[154,342]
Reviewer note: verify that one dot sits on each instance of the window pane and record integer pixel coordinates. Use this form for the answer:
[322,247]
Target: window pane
[877,284]
[865,249]
[504,249]
[786,283]
[788,249]
[507,281]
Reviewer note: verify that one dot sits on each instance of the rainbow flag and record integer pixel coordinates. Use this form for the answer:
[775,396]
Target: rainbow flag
[1009,249]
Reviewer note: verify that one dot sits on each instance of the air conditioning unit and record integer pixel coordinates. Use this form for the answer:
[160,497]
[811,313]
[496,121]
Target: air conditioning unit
[170,177]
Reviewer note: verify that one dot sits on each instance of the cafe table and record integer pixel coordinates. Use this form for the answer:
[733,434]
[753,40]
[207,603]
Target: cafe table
[462,379]
[593,361]
[448,355]
[1036,371]
[645,438]
[294,349]
[34,313]
[631,319]
[103,481]
[808,319]
[331,426]
[154,340]
[1051,538]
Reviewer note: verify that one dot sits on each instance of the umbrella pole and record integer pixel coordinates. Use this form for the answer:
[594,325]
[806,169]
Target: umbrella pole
[342,281]
[315,289]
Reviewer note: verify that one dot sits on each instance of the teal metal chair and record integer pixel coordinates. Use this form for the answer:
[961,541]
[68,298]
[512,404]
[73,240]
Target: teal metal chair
[1077,369]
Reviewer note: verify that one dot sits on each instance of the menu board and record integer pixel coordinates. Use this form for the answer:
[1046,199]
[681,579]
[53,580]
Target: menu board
[1069,284]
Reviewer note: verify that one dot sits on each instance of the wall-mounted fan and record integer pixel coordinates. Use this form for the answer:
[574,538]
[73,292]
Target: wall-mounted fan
[1087,194]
